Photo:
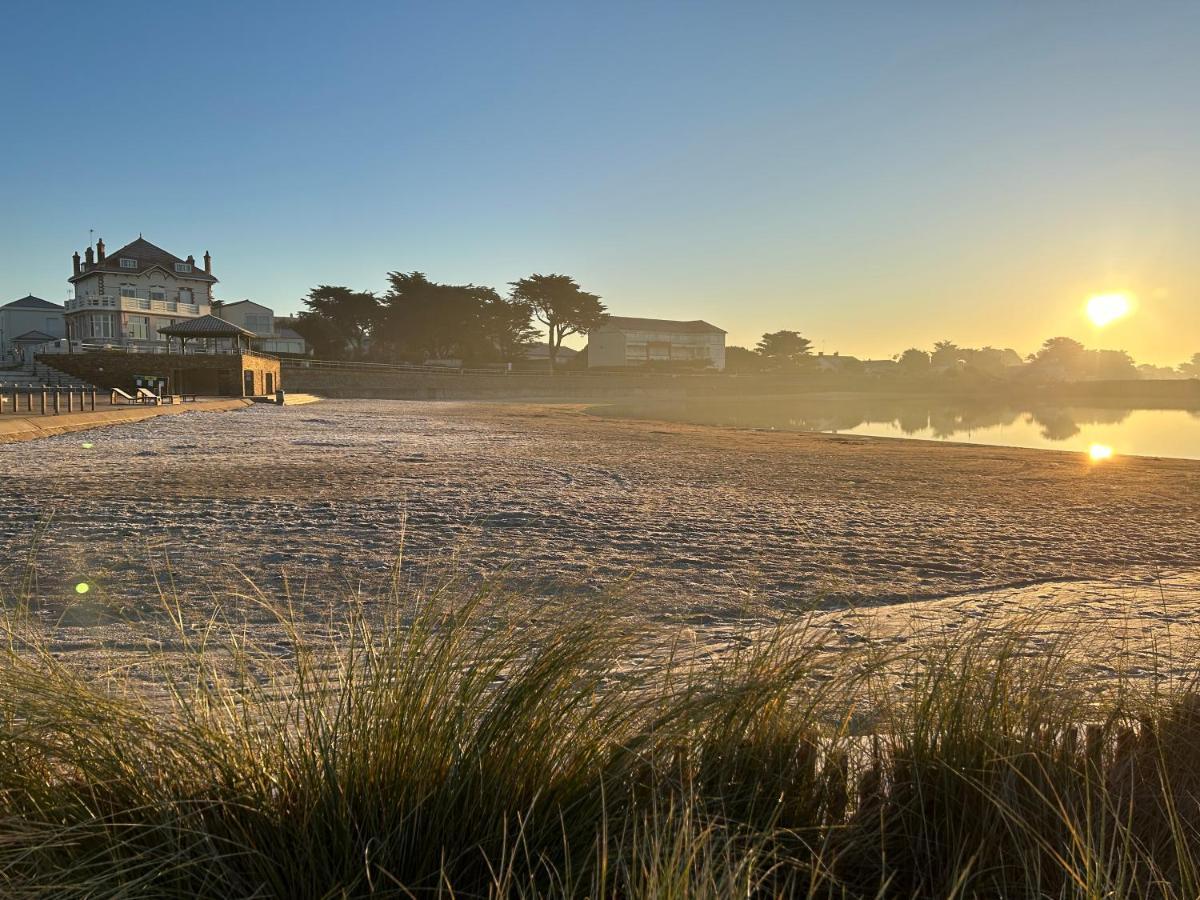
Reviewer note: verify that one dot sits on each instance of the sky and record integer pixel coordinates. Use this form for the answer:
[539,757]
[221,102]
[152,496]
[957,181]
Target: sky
[873,175]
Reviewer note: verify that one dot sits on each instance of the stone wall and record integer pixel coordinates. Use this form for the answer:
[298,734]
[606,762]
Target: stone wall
[383,384]
[212,375]
[424,386]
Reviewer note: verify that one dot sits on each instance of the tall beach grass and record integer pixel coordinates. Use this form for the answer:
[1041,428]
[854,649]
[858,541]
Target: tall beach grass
[443,748]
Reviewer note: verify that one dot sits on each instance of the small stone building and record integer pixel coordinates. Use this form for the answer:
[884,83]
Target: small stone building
[206,356]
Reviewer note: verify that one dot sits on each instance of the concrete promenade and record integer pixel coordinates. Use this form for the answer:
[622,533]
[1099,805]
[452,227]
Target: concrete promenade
[17,427]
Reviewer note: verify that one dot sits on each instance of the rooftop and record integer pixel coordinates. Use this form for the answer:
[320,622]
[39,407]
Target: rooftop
[205,327]
[31,302]
[631,323]
[34,337]
[148,256]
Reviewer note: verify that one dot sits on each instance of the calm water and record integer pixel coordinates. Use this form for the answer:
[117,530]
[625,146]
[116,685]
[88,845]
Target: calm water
[1136,432]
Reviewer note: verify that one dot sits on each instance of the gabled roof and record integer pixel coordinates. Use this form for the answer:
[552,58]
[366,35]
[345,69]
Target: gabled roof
[205,326]
[630,323]
[34,337]
[148,256]
[31,302]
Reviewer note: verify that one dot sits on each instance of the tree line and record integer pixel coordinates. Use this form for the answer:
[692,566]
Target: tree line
[416,319]
[1059,358]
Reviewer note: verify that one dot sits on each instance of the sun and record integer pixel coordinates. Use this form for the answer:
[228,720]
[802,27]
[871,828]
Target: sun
[1103,309]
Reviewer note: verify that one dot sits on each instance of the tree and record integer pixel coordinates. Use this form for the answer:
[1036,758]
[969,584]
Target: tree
[946,354]
[914,361]
[739,360]
[423,319]
[1192,367]
[506,327]
[1062,357]
[326,341]
[343,315]
[1112,365]
[786,348]
[558,303]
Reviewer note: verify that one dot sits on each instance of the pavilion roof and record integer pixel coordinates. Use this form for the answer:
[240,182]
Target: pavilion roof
[205,327]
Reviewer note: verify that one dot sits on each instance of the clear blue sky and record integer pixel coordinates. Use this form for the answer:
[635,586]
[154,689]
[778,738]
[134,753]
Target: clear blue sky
[873,175]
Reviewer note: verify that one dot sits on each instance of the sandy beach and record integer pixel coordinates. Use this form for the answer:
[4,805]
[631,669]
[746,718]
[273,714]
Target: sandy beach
[696,527]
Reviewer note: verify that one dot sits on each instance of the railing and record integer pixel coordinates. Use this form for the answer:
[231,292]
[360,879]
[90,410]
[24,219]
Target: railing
[541,371]
[47,401]
[343,366]
[136,304]
[134,345]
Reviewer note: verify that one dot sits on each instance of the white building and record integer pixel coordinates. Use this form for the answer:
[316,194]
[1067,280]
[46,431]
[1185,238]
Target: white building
[273,334]
[626,341]
[24,321]
[126,297]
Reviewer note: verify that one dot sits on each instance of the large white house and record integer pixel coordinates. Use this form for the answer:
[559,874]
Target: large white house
[627,341]
[26,323]
[273,334]
[124,298]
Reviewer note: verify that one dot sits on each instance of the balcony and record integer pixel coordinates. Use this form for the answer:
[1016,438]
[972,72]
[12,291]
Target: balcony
[135,304]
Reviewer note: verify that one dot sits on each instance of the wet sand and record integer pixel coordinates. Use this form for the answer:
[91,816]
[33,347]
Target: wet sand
[701,527]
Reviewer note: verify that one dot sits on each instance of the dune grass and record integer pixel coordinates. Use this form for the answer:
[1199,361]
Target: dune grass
[442,750]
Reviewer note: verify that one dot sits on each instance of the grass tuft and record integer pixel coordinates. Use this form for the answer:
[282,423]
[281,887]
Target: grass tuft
[445,748]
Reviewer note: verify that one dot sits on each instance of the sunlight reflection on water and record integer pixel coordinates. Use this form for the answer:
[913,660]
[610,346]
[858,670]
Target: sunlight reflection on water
[1124,432]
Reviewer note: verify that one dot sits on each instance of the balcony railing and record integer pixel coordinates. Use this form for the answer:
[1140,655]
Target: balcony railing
[136,304]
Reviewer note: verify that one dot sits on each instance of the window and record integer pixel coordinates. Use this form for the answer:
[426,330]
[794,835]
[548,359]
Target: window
[158,293]
[139,327]
[100,326]
[128,290]
[183,267]
[127,263]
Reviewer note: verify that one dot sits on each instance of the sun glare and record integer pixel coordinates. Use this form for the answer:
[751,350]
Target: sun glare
[1105,308]
[1100,452]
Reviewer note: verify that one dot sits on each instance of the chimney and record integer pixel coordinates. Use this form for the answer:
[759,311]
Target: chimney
[88,258]
[207,263]
[75,260]
[100,250]
[191,260]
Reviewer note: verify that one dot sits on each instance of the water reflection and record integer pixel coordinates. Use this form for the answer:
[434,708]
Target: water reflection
[938,419]
[972,420]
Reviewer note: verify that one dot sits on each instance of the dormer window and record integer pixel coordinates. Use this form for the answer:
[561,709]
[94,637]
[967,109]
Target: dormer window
[127,263]
[183,267]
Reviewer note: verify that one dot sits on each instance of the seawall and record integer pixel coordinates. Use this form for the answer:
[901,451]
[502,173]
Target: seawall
[399,385]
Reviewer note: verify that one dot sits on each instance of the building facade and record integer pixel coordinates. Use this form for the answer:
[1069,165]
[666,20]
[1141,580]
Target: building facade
[625,341]
[273,334]
[23,321]
[122,299]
